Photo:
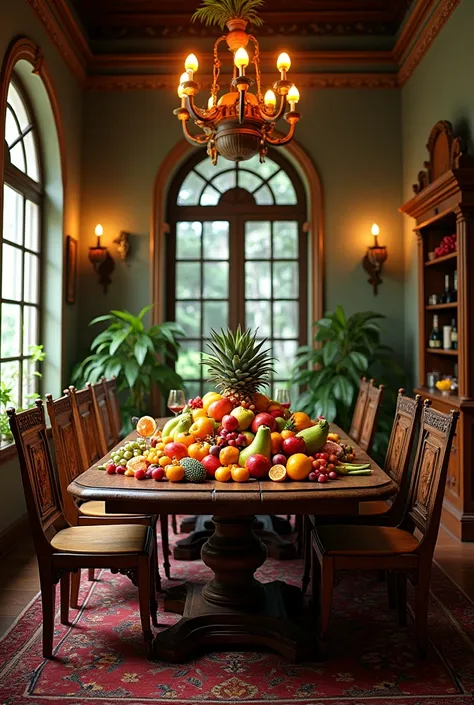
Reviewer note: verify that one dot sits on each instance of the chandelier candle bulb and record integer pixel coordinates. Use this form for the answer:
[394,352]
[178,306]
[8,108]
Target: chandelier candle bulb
[210,103]
[182,95]
[191,65]
[283,64]
[241,60]
[293,97]
[270,100]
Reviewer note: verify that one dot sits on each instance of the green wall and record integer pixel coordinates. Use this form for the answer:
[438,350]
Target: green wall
[440,89]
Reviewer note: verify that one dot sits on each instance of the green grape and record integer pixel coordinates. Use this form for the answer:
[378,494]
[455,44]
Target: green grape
[127,455]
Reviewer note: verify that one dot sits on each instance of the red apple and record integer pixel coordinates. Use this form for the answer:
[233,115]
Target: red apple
[263,419]
[211,463]
[279,459]
[230,423]
[176,450]
[293,445]
[258,465]
[158,473]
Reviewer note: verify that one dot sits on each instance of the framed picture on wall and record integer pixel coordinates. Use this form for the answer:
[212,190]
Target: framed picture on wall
[71,269]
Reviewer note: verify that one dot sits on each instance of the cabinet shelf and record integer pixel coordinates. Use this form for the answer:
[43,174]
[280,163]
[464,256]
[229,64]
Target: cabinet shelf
[440,260]
[440,351]
[441,307]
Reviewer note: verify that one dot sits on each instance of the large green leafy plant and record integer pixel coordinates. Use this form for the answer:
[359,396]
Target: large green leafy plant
[137,356]
[346,349]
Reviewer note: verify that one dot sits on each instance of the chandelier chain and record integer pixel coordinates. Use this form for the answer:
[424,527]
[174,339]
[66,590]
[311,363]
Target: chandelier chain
[256,63]
[216,69]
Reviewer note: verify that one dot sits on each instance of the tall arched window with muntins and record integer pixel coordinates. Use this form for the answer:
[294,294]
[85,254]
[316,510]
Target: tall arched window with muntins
[237,253]
[20,248]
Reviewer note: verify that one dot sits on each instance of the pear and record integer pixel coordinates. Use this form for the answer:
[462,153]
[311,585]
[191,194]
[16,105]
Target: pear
[315,436]
[281,423]
[243,416]
[262,444]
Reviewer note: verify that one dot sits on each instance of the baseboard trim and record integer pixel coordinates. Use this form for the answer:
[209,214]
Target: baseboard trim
[460,524]
[9,537]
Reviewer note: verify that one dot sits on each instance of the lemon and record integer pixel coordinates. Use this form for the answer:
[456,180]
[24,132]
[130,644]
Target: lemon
[277,473]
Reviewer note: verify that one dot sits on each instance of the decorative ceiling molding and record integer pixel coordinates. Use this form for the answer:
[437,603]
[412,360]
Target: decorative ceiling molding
[95,71]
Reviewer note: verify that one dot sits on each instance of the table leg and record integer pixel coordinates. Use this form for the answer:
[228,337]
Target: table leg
[233,609]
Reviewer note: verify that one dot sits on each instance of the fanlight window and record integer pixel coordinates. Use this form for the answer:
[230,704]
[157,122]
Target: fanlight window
[20,136]
[268,183]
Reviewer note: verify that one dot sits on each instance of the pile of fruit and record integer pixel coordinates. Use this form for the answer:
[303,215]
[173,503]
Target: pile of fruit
[236,434]
[447,245]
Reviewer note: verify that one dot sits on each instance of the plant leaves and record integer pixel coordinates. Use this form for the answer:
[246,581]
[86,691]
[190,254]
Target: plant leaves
[131,371]
[330,352]
[118,339]
[140,351]
[359,360]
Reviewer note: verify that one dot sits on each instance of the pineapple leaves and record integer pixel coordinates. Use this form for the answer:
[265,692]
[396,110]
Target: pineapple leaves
[219,12]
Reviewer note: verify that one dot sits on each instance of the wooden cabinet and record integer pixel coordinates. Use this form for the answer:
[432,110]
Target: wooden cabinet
[443,205]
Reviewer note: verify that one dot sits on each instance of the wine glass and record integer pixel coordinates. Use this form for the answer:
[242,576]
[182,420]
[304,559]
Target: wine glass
[176,401]
[282,396]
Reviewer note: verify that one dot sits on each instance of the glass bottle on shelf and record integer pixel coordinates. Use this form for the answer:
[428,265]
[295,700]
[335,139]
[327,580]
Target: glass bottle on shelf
[454,292]
[435,340]
[454,335]
[447,297]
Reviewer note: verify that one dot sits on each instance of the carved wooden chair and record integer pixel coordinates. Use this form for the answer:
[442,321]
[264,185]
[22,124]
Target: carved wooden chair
[114,407]
[87,422]
[397,466]
[62,549]
[372,408]
[101,404]
[365,547]
[359,410]
[67,442]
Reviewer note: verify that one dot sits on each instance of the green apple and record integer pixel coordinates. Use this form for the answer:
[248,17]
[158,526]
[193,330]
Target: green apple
[243,416]
[249,436]
[280,422]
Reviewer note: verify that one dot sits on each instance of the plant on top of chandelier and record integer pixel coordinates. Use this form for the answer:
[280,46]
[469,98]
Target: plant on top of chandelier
[240,123]
[221,11]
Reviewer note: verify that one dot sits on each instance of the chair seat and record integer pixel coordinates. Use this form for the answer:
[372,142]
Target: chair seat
[350,539]
[97,509]
[121,538]
[373,508]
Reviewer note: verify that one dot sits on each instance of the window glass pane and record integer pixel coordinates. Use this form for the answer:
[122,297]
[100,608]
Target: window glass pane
[215,315]
[225,181]
[208,170]
[16,102]
[285,353]
[31,278]
[216,280]
[210,197]
[10,376]
[188,241]
[257,240]
[12,215]
[264,170]
[11,128]
[249,181]
[283,189]
[11,329]
[188,364]
[17,157]
[30,328]
[285,319]
[32,240]
[190,190]
[188,280]
[258,315]
[264,196]
[285,239]
[216,240]
[188,315]
[31,157]
[285,280]
[257,280]
[193,389]
[30,383]
[11,273]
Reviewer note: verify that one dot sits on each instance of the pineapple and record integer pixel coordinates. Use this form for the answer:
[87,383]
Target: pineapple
[238,366]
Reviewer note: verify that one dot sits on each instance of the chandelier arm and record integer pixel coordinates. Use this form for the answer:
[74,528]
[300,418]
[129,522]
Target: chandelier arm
[276,116]
[280,141]
[198,139]
[204,116]
[256,63]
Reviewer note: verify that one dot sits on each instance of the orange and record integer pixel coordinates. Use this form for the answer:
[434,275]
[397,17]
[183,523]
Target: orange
[218,409]
[185,438]
[146,426]
[229,455]
[261,401]
[209,398]
[223,474]
[137,463]
[277,473]
[301,420]
[298,466]
[286,433]
[164,461]
[277,440]
[202,428]
[239,474]
[198,414]
[174,473]
[198,451]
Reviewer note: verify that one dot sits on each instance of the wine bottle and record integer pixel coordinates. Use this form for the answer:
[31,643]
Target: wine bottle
[454,335]
[447,297]
[435,340]
[454,292]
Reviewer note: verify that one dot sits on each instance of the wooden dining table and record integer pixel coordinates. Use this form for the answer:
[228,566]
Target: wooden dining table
[234,609]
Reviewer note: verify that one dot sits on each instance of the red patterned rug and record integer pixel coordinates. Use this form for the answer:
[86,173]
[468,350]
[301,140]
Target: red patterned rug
[100,658]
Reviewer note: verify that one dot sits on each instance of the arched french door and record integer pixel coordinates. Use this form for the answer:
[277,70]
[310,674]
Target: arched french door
[237,252]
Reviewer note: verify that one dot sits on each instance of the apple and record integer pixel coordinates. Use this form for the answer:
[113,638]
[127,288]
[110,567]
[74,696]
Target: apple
[243,416]
[211,463]
[158,473]
[176,450]
[220,408]
[249,436]
[230,422]
[258,465]
[111,469]
[280,423]
[263,419]
[140,474]
[293,445]
[120,470]
[279,459]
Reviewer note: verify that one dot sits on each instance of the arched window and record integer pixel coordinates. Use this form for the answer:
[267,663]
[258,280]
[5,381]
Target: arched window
[20,248]
[237,253]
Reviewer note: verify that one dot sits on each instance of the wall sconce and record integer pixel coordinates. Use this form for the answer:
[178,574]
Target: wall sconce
[123,245]
[101,260]
[374,259]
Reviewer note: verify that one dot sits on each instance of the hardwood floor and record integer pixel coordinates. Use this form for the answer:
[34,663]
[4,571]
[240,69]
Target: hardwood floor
[19,581]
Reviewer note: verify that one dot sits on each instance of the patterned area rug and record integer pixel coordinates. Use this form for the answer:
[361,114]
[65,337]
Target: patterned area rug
[100,658]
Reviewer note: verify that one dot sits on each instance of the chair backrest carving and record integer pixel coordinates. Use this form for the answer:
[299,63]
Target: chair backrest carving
[369,425]
[114,407]
[402,437]
[86,419]
[430,470]
[359,410]
[106,434]
[39,481]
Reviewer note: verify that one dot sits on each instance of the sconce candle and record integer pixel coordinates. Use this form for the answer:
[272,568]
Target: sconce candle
[374,259]
[101,260]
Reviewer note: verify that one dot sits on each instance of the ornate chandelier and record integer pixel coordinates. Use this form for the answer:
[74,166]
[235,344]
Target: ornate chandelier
[239,124]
